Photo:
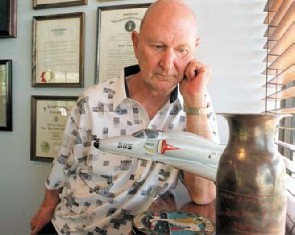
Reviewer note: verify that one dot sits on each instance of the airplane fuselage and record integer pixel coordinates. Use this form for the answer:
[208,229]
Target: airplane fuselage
[183,150]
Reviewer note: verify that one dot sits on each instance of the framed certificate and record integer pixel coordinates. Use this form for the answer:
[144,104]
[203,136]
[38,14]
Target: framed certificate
[58,50]
[40,4]
[6,95]
[8,19]
[114,45]
[49,115]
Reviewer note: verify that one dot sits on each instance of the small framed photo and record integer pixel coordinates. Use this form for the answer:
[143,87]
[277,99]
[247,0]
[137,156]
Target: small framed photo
[49,115]
[114,45]
[41,4]
[6,95]
[8,18]
[58,50]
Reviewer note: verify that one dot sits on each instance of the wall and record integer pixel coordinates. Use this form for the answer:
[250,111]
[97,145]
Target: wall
[231,41]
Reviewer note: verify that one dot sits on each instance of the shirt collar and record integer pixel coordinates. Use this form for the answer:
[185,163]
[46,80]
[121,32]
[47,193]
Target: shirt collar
[122,88]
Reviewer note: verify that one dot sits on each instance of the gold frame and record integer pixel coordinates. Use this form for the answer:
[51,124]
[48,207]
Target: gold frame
[8,14]
[6,95]
[60,3]
[49,115]
[120,19]
[58,50]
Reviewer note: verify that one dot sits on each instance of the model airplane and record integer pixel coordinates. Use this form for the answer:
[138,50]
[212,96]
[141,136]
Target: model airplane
[182,150]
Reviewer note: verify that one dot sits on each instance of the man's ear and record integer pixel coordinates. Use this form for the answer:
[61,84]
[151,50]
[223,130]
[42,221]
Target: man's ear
[134,37]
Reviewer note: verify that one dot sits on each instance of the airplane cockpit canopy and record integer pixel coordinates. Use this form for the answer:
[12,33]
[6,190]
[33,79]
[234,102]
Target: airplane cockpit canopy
[147,133]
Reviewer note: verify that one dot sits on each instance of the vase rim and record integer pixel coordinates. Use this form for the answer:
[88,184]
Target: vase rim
[254,114]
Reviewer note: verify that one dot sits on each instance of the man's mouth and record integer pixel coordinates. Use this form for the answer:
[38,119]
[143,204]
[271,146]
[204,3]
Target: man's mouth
[165,77]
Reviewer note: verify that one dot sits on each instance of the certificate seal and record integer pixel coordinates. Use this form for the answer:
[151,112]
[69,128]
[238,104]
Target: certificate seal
[45,147]
[130,26]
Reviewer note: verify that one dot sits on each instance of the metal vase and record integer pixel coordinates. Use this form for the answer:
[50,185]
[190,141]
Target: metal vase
[251,188]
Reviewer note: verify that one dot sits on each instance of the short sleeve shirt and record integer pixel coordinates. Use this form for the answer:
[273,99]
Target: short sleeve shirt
[101,192]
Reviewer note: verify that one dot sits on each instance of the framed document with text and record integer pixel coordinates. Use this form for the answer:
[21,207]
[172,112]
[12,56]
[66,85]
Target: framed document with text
[49,115]
[6,95]
[8,18]
[58,50]
[114,45]
[40,4]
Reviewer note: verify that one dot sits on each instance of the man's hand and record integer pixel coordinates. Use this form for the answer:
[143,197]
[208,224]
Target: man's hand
[45,212]
[194,86]
[41,218]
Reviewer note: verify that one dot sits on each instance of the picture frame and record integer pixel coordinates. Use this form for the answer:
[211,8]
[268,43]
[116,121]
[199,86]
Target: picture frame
[49,115]
[114,45]
[58,50]
[8,19]
[42,4]
[6,95]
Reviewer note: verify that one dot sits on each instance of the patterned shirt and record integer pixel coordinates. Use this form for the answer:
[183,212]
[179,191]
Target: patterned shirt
[101,192]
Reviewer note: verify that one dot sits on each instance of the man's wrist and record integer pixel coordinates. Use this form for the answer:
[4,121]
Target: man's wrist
[196,110]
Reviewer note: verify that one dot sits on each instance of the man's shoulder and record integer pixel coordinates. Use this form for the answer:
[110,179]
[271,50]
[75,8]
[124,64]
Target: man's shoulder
[100,91]
[107,84]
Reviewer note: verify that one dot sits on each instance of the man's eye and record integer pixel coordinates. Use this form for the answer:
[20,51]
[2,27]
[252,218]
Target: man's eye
[158,47]
[181,52]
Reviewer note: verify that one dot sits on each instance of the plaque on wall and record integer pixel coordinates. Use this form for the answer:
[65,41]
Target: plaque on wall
[58,50]
[8,19]
[114,45]
[6,95]
[41,4]
[49,115]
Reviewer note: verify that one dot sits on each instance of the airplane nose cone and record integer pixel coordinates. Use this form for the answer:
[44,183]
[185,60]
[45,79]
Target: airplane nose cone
[96,144]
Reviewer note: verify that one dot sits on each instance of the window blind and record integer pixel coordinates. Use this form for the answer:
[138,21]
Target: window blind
[280,87]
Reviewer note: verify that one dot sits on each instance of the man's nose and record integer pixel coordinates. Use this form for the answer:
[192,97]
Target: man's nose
[168,59]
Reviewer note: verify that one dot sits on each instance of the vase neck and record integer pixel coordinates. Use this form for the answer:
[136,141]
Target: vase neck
[251,127]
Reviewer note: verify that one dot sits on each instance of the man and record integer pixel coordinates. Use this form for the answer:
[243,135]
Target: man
[91,192]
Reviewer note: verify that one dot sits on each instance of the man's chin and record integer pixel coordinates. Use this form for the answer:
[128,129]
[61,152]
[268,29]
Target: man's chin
[165,87]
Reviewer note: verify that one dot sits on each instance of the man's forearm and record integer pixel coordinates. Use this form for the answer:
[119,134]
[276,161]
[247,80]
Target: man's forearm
[201,190]
[51,198]
[198,124]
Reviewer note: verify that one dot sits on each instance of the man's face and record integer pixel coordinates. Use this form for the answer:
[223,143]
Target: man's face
[164,51]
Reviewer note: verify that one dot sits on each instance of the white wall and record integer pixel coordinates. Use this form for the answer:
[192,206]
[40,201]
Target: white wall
[231,41]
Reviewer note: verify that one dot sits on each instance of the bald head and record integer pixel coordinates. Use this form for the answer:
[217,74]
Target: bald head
[168,11]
